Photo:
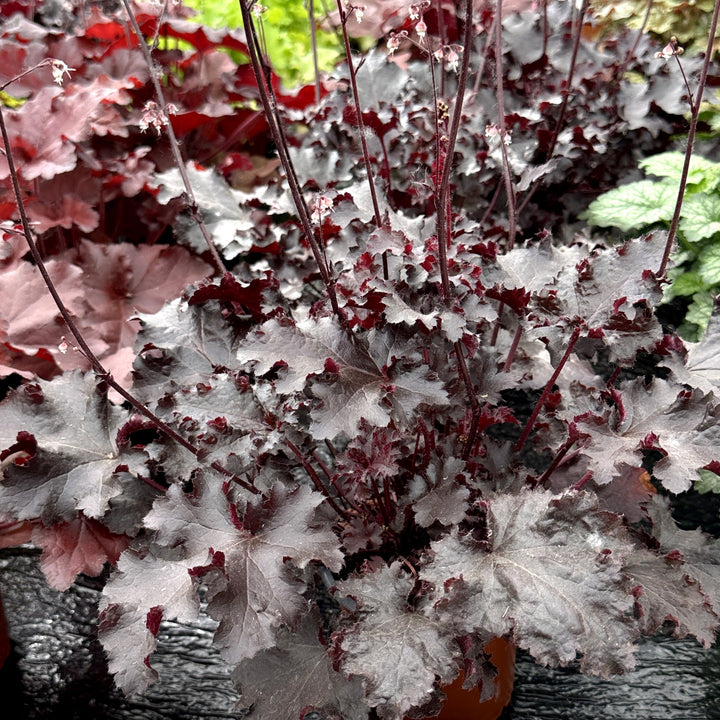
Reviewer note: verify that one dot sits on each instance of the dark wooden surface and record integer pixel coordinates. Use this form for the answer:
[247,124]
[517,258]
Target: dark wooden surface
[57,669]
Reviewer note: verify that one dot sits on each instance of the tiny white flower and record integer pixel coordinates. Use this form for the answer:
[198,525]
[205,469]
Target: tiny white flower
[421,29]
[258,9]
[63,346]
[393,43]
[359,12]
[320,207]
[59,68]
[452,59]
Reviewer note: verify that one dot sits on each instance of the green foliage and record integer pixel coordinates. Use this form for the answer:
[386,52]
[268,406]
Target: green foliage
[688,21]
[285,31]
[639,205]
[9,101]
[708,482]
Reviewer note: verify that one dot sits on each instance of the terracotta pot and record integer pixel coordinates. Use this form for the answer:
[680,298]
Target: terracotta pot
[461,704]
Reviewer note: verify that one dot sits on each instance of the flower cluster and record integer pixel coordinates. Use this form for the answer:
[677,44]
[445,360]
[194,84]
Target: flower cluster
[493,131]
[155,117]
[321,206]
[449,54]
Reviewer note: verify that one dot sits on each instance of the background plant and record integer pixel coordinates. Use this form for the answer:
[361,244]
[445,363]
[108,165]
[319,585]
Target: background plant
[397,429]
[286,35]
[642,204]
[690,21]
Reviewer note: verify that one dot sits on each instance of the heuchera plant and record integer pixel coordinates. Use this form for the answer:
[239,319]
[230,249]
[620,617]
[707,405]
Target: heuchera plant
[401,424]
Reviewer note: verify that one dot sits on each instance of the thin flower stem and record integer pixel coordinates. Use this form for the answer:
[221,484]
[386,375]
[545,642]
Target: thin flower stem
[442,34]
[174,145]
[377,219]
[313,40]
[443,191]
[571,73]
[695,108]
[631,53]
[44,63]
[559,455]
[500,92]
[465,375]
[491,205]
[97,367]
[272,115]
[498,324]
[546,390]
[566,99]
[481,67]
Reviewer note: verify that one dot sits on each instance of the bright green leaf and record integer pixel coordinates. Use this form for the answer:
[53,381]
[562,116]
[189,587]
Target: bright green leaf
[11,102]
[700,217]
[708,482]
[698,315]
[670,165]
[635,205]
[685,283]
[710,265]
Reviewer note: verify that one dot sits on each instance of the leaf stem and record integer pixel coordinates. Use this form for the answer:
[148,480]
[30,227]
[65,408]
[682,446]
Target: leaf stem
[513,349]
[310,470]
[333,479]
[546,390]
[695,108]
[174,145]
[584,480]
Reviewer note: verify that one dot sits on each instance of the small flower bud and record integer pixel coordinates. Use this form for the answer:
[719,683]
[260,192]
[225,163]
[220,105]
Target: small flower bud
[452,59]
[59,68]
[670,49]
